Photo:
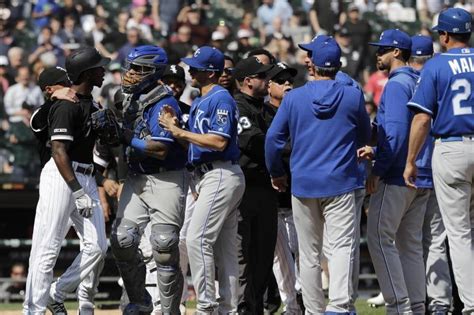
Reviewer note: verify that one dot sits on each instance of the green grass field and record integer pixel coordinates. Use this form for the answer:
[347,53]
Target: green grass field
[361,306]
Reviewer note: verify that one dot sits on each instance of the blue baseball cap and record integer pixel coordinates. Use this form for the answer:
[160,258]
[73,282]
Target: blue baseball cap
[421,45]
[394,38]
[314,42]
[454,20]
[206,58]
[327,53]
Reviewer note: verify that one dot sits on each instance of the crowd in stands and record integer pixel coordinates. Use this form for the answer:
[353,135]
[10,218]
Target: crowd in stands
[42,33]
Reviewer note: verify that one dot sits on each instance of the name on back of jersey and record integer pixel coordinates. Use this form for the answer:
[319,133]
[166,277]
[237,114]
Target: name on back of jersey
[461,65]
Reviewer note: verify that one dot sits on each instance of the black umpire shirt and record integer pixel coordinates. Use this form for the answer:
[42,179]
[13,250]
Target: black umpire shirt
[72,122]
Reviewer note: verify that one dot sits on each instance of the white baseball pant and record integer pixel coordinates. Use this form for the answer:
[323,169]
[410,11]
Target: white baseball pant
[394,235]
[453,174]
[55,207]
[338,215]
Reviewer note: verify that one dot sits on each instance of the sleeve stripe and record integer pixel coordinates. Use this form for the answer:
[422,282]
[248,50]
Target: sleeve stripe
[100,161]
[162,139]
[219,133]
[412,104]
[62,137]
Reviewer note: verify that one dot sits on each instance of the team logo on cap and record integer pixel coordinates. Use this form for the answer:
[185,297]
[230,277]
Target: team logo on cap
[281,65]
[173,69]
[222,117]
[197,52]
[468,26]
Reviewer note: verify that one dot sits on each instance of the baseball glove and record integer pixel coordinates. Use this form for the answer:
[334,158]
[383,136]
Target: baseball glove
[107,127]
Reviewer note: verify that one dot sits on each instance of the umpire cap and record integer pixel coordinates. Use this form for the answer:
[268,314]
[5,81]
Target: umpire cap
[84,59]
[454,20]
[250,66]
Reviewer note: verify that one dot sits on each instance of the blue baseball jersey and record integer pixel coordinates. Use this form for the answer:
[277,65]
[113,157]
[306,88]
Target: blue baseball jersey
[326,122]
[148,127]
[393,132]
[215,113]
[445,91]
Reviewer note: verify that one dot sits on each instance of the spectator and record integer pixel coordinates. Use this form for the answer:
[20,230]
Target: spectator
[164,15]
[22,36]
[116,38]
[298,28]
[43,11]
[133,40]
[324,14]
[137,21]
[24,91]
[181,45]
[17,285]
[226,80]
[268,12]
[46,45]
[108,91]
[351,58]
[248,22]
[427,9]
[22,145]
[16,57]
[71,33]
[358,28]
[383,7]
[200,32]
[218,40]
[375,85]
[243,43]
[72,9]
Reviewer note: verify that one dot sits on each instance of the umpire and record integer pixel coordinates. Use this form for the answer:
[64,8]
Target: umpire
[258,210]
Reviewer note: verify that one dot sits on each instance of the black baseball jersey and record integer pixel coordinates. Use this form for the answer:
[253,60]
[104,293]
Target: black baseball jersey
[72,122]
[39,125]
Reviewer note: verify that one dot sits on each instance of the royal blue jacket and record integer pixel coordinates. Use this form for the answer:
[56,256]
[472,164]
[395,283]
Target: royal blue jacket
[325,121]
[393,132]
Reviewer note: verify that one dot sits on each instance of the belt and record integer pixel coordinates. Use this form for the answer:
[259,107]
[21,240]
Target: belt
[455,138]
[203,168]
[84,170]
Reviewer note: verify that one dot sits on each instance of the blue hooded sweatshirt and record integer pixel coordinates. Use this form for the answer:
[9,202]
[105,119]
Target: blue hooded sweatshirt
[393,123]
[325,121]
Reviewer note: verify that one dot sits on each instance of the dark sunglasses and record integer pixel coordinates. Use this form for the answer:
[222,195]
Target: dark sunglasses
[283,81]
[383,50]
[229,71]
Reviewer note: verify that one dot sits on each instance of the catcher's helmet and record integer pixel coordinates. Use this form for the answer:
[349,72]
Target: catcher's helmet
[145,64]
[84,59]
[454,20]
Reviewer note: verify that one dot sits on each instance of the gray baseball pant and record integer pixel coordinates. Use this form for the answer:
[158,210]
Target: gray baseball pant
[338,215]
[212,238]
[453,174]
[438,279]
[394,231]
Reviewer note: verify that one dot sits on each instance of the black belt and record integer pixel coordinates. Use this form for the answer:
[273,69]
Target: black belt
[203,168]
[85,170]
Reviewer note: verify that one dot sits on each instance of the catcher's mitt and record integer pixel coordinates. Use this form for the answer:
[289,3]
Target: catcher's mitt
[107,127]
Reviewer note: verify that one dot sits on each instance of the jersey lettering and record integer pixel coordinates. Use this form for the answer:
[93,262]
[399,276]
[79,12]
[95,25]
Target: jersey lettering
[200,121]
[461,84]
[244,123]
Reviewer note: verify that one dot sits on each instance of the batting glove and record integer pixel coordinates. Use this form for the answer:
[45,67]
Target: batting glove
[84,203]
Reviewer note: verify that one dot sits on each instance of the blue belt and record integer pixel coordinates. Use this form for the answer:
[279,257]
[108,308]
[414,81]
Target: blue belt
[455,138]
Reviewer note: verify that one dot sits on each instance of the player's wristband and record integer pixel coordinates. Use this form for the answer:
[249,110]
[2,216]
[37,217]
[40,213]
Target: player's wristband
[99,179]
[74,185]
[138,144]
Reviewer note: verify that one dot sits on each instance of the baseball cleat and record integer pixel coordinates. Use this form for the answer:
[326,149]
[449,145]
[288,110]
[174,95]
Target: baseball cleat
[86,308]
[376,301]
[57,308]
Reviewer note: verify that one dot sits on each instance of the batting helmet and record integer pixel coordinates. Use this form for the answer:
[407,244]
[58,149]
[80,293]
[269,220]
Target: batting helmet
[143,67]
[84,59]
[454,20]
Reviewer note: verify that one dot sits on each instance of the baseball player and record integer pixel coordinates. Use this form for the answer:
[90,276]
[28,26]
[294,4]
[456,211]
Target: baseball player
[444,97]
[155,187]
[396,212]
[68,192]
[284,264]
[438,279]
[344,79]
[258,210]
[324,174]
[213,153]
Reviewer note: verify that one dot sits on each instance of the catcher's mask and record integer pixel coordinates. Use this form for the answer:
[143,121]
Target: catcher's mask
[143,67]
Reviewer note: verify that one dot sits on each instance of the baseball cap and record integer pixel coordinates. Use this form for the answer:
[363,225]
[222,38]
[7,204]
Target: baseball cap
[217,35]
[341,31]
[174,71]
[352,7]
[394,38]
[3,61]
[52,76]
[454,20]
[206,58]
[313,43]
[328,53]
[244,33]
[115,66]
[281,69]
[250,66]
[421,45]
